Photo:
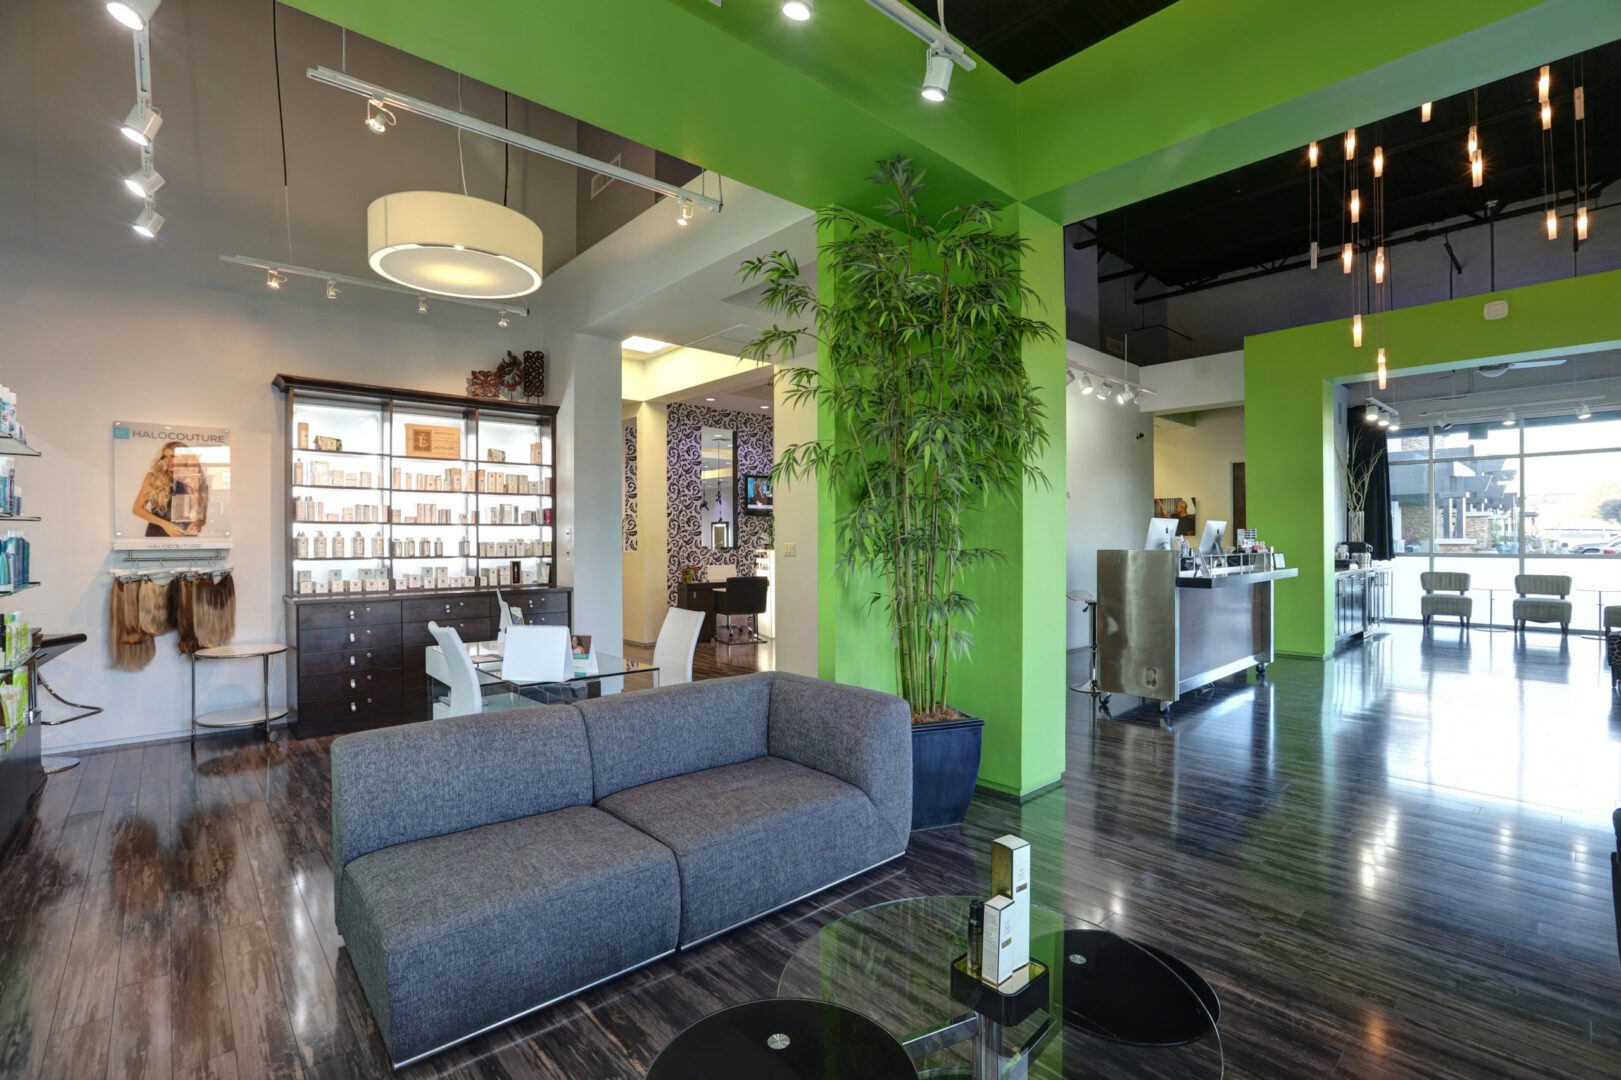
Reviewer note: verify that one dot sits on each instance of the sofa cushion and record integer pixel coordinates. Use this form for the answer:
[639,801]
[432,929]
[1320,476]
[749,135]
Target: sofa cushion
[753,836]
[650,735]
[403,783]
[453,933]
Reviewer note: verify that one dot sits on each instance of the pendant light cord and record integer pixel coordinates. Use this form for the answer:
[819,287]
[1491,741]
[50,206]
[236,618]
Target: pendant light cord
[460,159]
[281,126]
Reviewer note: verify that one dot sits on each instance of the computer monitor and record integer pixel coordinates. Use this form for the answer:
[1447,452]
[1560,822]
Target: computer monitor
[1161,533]
[1210,542]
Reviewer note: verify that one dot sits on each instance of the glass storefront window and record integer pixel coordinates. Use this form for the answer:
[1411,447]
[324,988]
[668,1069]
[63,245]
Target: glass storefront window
[1477,440]
[1573,503]
[1563,433]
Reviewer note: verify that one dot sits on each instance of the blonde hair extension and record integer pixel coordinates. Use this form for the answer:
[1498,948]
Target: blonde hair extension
[133,648]
[154,607]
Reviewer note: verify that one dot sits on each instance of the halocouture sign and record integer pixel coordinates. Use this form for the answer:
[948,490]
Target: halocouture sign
[171,486]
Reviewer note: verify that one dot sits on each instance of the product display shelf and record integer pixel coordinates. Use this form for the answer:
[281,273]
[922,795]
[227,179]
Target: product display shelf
[21,588]
[8,517]
[12,447]
[9,666]
[22,765]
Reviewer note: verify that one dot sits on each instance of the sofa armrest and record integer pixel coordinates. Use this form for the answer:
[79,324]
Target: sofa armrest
[394,785]
[862,737]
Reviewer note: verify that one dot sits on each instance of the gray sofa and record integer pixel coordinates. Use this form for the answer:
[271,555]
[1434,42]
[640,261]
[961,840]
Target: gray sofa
[489,865]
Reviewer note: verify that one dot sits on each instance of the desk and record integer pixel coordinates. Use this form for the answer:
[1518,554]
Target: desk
[700,596]
[486,657]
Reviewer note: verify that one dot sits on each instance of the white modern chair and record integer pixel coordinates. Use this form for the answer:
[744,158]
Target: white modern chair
[453,667]
[536,654]
[678,639]
[509,615]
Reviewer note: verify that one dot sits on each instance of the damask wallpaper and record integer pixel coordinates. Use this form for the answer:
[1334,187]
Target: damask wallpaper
[753,433]
[630,486]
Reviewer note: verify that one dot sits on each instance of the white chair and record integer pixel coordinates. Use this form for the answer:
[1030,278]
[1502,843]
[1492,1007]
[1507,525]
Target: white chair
[509,616]
[536,654]
[678,639]
[720,573]
[453,667]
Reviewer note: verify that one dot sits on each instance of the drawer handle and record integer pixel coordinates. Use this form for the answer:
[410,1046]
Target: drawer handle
[351,637]
[351,661]
[351,614]
[352,707]
[447,609]
[351,684]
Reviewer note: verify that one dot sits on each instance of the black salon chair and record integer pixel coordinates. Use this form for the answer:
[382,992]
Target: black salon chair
[745,597]
[1615,876]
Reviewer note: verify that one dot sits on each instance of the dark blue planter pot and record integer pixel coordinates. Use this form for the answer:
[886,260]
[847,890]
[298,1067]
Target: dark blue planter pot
[945,766]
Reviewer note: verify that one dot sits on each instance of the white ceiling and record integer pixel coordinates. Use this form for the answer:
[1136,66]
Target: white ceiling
[746,398]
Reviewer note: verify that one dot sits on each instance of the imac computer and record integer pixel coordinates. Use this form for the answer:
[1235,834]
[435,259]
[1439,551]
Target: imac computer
[1161,534]
[1210,542]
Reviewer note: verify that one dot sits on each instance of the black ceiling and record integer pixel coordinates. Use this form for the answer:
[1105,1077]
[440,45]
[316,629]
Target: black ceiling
[1255,217]
[1021,38]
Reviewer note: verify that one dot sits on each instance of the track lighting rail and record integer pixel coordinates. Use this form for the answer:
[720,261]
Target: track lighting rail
[395,102]
[271,266]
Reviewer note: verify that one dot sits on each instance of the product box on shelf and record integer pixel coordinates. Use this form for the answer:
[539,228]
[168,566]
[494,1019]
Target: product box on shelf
[996,956]
[1010,877]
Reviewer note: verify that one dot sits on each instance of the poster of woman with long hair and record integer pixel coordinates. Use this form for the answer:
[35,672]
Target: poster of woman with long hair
[171,486]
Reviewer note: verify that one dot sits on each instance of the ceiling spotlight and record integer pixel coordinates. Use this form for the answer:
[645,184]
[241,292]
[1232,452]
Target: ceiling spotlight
[1395,421]
[1086,385]
[1370,414]
[144,184]
[709,399]
[1583,412]
[141,126]
[936,74]
[422,305]
[1446,422]
[1509,420]
[798,10]
[379,117]
[503,322]
[332,289]
[135,14]
[686,214]
[148,223]
[765,406]
[1105,391]
[274,280]
[1384,420]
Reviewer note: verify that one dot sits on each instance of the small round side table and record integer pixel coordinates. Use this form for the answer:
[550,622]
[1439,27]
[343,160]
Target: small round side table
[241,716]
[784,1039]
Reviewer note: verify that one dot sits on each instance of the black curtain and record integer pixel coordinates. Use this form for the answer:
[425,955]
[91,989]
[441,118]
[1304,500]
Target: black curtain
[1367,442]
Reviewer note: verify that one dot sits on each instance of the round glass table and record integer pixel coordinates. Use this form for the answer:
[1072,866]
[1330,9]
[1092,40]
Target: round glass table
[1114,1007]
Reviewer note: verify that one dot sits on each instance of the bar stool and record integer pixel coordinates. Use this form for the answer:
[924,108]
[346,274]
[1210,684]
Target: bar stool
[1081,596]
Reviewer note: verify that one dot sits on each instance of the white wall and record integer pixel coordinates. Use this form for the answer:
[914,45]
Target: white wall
[646,568]
[796,581]
[86,347]
[1109,453]
[1194,456]
[1201,382]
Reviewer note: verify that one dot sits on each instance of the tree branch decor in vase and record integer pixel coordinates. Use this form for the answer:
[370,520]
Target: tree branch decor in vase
[1356,477]
[923,378]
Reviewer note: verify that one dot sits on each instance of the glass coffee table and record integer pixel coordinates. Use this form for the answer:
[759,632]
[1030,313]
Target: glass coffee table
[1114,1008]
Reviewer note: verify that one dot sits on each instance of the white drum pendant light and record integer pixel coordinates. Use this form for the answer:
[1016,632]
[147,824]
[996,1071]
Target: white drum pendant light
[453,245]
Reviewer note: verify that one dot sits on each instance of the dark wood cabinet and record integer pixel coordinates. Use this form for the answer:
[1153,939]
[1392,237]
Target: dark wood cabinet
[356,664]
[20,778]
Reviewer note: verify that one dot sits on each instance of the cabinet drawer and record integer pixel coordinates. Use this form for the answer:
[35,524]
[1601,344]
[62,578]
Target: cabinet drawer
[344,710]
[471,630]
[353,613]
[341,663]
[358,684]
[546,618]
[348,638]
[533,603]
[443,608]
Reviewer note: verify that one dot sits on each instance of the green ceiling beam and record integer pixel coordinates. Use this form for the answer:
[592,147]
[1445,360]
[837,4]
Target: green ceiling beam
[1205,86]
[800,111]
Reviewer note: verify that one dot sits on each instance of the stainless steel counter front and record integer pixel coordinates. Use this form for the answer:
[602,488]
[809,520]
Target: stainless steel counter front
[1161,635]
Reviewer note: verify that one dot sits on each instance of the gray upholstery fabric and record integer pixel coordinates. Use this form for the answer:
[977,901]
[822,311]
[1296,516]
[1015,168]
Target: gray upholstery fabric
[1555,611]
[418,780]
[653,734]
[861,736]
[1443,581]
[453,933]
[753,836]
[1446,604]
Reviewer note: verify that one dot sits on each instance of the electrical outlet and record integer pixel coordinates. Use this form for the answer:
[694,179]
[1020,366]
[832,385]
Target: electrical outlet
[790,549]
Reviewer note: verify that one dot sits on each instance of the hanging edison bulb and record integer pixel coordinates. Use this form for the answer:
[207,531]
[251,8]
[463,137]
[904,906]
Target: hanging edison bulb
[1581,223]
[1378,162]
[1477,169]
[1311,155]
[1345,258]
[1379,266]
[1350,144]
[1543,84]
[1553,225]
[1356,206]
[1356,330]
[1383,376]
[1474,141]
[1425,110]
[1547,117]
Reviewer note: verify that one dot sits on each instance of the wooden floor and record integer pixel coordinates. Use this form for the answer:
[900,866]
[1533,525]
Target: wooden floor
[1390,865]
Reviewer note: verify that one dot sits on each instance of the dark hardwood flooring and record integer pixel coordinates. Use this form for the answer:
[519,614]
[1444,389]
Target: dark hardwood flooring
[1394,864]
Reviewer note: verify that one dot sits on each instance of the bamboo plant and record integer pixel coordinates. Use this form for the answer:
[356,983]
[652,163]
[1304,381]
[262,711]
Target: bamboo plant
[932,412]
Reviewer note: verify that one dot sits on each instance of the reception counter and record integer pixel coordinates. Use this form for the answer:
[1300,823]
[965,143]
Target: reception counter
[1162,634]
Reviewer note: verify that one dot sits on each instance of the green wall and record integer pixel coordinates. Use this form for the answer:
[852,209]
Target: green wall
[1289,380]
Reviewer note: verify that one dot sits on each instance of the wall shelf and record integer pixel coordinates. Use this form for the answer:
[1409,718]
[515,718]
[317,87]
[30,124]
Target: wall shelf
[21,588]
[8,517]
[10,447]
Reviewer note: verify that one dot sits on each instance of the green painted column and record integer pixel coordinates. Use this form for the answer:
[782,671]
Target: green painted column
[1015,678]
[1289,379]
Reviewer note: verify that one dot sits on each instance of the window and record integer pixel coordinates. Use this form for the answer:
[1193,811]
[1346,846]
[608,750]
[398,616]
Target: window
[1493,501]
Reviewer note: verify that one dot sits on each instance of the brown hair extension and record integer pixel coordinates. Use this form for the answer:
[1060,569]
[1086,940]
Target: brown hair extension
[154,608]
[133,648]
[215,611]
[185,615]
